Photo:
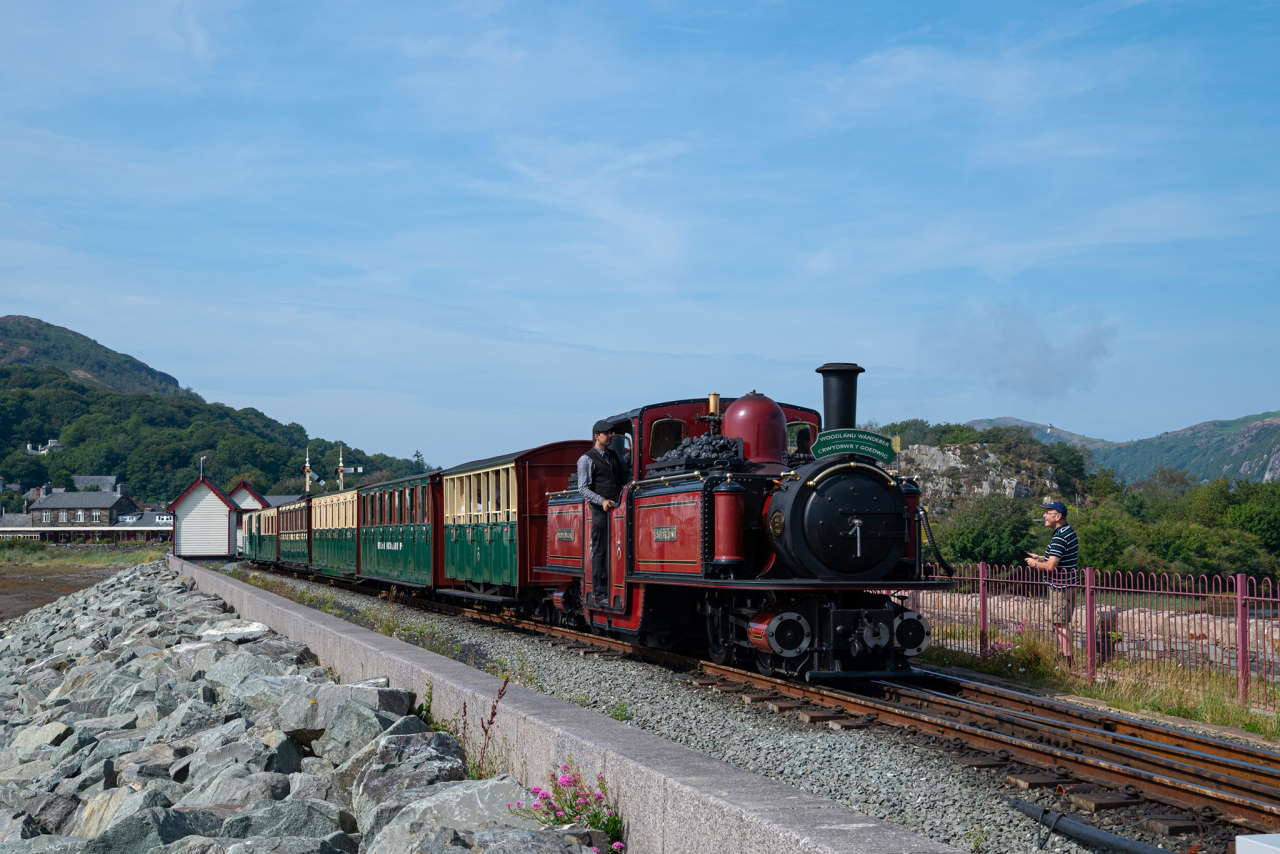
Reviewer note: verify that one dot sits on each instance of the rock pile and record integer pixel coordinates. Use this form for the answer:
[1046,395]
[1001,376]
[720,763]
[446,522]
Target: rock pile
[140,716]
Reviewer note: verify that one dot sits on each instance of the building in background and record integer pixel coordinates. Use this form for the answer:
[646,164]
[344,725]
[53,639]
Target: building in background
[80,509]
[205,520]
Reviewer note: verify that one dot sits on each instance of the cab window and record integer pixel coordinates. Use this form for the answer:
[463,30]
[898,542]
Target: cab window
[664,434]
[800,434]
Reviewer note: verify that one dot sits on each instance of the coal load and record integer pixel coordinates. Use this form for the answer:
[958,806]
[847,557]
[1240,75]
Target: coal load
[700,453]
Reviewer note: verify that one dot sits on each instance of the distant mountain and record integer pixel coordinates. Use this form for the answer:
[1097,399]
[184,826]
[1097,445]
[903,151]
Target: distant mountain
[30,342]
[1046,433]
[1246,448]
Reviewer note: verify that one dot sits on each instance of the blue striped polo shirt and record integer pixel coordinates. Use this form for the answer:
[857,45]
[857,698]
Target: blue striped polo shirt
[1066,548]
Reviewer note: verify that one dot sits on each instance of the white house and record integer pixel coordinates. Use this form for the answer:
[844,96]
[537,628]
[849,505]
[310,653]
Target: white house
[204,522]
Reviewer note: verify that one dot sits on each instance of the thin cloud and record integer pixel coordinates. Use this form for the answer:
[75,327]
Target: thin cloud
[1029,354]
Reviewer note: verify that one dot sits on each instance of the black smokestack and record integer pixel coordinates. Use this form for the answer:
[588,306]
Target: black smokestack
[839,394]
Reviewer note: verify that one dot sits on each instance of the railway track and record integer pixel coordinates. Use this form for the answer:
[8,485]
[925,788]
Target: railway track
[1071,748]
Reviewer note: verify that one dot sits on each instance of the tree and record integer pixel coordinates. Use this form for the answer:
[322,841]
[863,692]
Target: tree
[1103,485]
[989,528]
[419,461]
[1208,504]
[1068,465]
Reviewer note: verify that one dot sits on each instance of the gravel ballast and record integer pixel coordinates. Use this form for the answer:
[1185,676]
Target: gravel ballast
[879,772]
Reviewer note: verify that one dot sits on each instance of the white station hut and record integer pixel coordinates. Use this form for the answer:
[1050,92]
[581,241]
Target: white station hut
[204,522]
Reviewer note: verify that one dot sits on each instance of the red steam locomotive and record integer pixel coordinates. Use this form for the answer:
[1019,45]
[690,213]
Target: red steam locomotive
[728,539]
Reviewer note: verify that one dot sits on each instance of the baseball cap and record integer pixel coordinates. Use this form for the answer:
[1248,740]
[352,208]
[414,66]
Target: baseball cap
[602,427]
[1055,505]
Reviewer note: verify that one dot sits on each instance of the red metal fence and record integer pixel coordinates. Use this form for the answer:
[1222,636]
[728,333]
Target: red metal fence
[1225,627]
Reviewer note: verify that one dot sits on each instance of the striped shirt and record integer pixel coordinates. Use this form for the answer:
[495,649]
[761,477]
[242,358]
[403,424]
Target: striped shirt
[1066,548]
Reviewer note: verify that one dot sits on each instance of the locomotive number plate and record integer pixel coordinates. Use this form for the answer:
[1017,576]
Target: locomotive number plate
[564,535]
[664,534]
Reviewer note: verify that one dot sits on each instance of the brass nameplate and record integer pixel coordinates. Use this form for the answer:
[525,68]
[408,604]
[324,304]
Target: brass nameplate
[664,534]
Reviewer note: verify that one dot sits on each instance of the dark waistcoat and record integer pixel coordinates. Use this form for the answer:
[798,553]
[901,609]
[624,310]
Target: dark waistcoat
[607,474]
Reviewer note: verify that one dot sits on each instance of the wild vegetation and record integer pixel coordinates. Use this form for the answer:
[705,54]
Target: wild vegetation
[1165,523]
[153,443]
[36,553]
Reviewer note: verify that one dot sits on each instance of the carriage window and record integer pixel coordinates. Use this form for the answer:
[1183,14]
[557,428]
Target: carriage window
[664,434]
[800,435]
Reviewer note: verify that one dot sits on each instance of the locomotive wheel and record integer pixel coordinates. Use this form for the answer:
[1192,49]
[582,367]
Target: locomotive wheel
[765,663]
[719,649]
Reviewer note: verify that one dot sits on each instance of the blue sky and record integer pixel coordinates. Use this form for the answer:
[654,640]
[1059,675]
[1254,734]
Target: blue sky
[472,227]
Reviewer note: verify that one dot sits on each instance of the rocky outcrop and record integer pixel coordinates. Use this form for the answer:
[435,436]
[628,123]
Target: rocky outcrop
[140,717]
[949,472]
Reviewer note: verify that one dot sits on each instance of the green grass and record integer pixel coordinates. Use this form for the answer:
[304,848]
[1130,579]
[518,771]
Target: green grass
[31,553]
[1168,689]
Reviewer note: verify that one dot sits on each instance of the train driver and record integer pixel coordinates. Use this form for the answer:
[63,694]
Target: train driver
[601,476]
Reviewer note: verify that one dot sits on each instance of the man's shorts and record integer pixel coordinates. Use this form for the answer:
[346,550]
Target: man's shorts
[1062,604]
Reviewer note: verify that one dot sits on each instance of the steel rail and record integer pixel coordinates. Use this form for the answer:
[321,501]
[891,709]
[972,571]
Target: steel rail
[1247,776]
[1240,809]
[1090,741]
[1116,722]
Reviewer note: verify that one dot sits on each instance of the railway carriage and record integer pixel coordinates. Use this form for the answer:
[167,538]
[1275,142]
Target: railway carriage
[261,535]
[333,533]
[399,532]
[495,521]
[295,532]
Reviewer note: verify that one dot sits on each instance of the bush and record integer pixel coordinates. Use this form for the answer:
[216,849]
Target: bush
[990,528]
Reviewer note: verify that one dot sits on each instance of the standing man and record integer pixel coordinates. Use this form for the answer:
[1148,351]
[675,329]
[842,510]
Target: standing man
[601,476]
[1060,561]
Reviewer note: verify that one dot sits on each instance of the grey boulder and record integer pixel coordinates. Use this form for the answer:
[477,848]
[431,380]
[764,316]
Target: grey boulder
[146,829]
[403,762]
[237,784]
[304,817]
[350,728]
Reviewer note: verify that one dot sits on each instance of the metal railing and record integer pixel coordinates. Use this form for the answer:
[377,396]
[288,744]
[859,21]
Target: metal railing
[1220,626]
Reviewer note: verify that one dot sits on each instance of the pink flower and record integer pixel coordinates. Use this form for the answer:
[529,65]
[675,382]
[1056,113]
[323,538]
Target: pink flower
[559,813]
[595,849]
[519,804]
[617,846]
[599,796]
[565,780]
[565,768]
[537,805]
[508,804]
[581,800]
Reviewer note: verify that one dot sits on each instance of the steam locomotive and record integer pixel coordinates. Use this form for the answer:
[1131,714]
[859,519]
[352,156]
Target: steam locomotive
[737,535]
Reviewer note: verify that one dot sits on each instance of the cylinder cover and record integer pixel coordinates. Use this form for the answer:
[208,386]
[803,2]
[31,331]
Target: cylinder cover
[783,633]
